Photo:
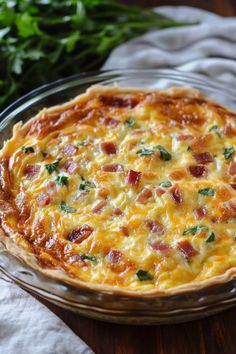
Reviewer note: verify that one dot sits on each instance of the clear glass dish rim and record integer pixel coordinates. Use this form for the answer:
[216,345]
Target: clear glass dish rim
[67,81]
[89,77]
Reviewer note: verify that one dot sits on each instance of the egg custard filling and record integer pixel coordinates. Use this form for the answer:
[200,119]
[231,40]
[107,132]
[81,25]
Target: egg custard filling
[124,189]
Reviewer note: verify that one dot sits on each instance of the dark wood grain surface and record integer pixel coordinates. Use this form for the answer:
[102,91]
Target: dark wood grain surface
[213,335]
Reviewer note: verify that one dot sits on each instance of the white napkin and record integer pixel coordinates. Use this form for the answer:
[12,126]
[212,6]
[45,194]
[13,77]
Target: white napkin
[28,327]
[208,48]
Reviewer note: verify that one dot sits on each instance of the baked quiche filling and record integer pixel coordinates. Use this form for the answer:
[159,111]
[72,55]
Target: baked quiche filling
[124,188]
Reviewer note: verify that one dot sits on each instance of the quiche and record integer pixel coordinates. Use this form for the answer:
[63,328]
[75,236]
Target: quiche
[124,189]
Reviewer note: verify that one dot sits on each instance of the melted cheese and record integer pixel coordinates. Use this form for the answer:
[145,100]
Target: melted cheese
[128,233]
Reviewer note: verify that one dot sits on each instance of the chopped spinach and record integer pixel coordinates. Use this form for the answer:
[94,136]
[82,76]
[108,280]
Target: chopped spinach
[68,209]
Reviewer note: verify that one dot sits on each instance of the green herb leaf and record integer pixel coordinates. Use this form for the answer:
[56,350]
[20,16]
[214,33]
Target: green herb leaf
[68,209]
[27,25]
[145,152]
[211,238]
[143,275]
[52,167]
[195,230]
[215,129]
[130,122]
[47,40]
[27,149]
[86,185]
[164,154]
[228,152]
[165,184]
[82,142]
[62,180]
[88,257]
[210,192]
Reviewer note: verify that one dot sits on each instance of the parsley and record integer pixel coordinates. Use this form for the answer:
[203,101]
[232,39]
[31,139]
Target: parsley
[210,192]
[143,275]
[145,152]
[215,129]
[165,184]
[52,167]
[88,257]
[130,122]
[82,142]
[211,238]
[195,230]
[164,154]
[86,185]
[27,149]
[228,152]
[68,209]
[42,41]
[62,181]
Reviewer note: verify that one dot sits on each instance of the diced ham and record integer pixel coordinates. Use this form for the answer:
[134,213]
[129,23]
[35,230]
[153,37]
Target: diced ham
[186,248]
[32,171]
[160,191]
[133,177]
[233,185]
[98,208]
[232,168]
[160,246]
[109,148]
[200,213]
[80,234]
[144,196]
[197,171]
[71,166]
[124,230]
[155,227]
[43,199]
[184,137]
[110,122]
[176,194]
[203,158]
[113,168]
[69,150]
[117,212]
[228,211]
[114,256]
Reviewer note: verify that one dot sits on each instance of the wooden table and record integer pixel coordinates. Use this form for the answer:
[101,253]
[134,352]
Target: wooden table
[213,335]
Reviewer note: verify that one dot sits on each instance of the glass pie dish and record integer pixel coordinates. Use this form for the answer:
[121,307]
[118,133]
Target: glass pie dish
[102,304]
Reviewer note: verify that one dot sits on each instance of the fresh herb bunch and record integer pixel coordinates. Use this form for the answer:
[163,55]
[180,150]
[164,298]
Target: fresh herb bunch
[43,40]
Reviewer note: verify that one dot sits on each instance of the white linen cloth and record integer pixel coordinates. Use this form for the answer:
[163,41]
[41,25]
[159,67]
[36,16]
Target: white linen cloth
[207,48]
[27,326]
